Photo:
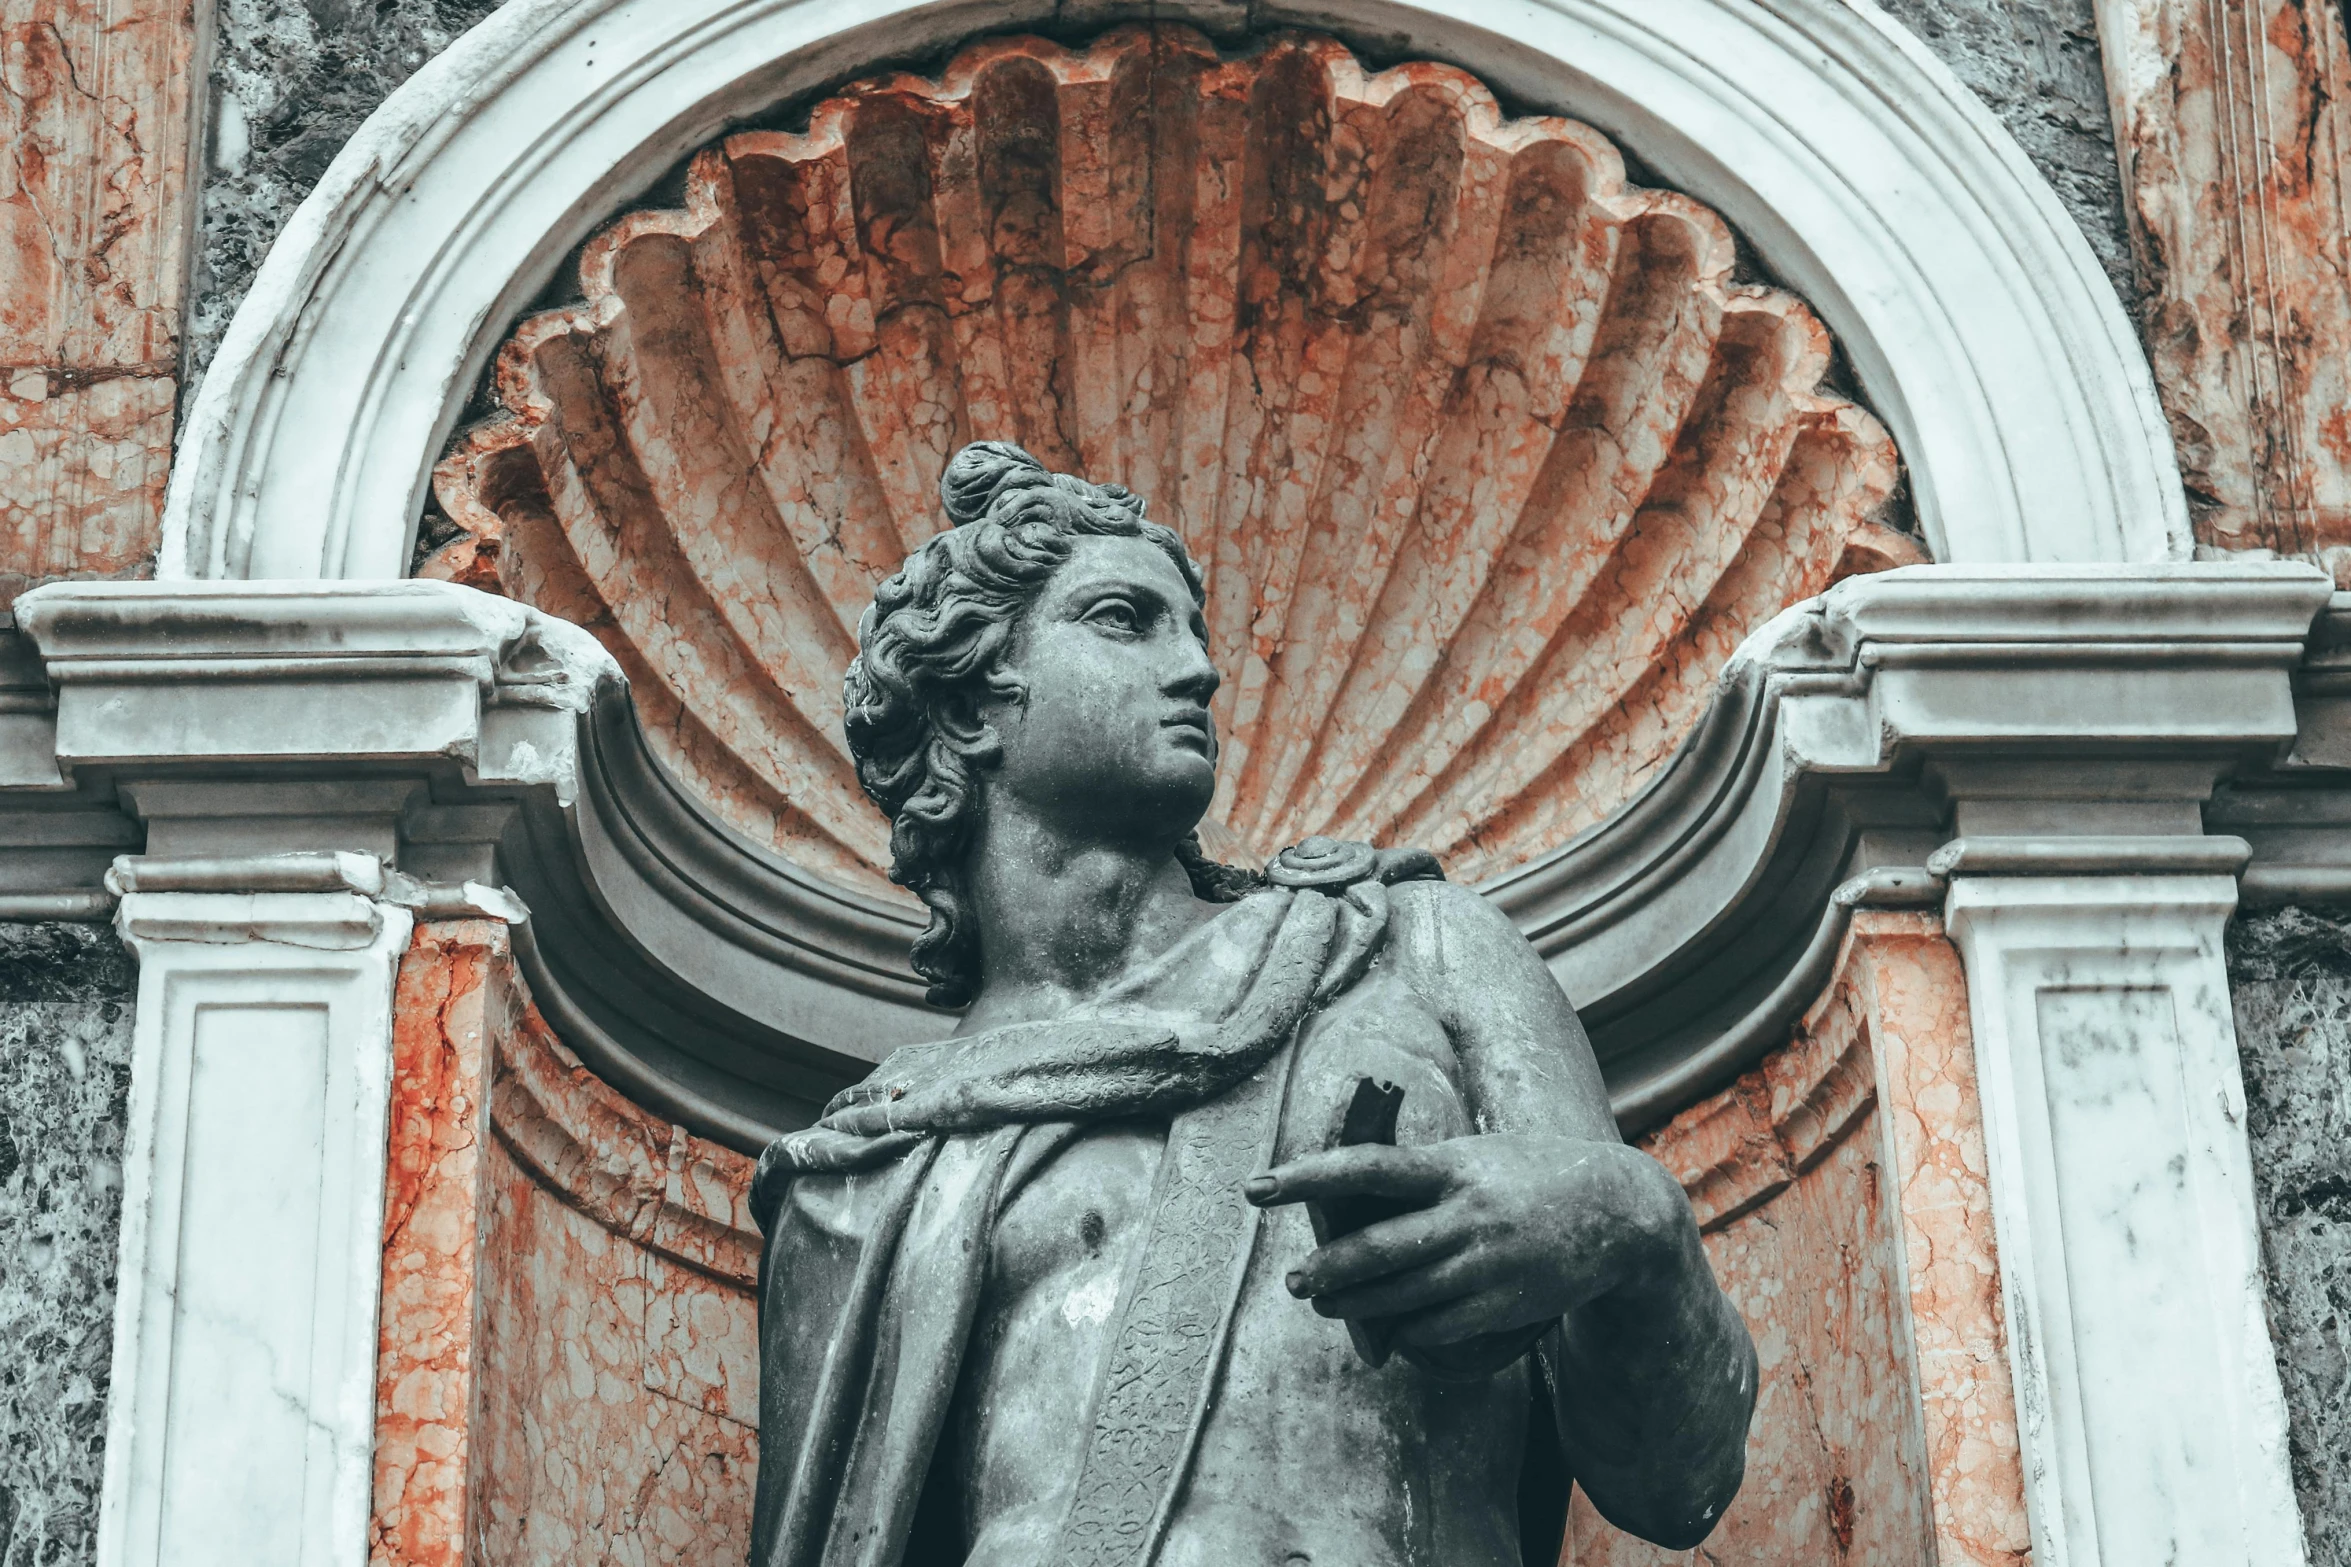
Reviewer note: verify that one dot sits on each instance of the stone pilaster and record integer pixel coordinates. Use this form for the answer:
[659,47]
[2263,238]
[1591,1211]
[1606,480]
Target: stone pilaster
[253,1193]
[2151,1423]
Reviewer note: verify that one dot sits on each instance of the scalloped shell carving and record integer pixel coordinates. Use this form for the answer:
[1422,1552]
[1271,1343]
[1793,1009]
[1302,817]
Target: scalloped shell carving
[1489,458]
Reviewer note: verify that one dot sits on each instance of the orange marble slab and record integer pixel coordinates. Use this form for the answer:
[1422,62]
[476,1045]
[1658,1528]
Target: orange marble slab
[2234,124]
[451,1002]
[94,149]
[569,1361]
[1906,974]
[1841,1187]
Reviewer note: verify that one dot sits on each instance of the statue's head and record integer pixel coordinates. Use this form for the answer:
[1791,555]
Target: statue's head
[1045,650]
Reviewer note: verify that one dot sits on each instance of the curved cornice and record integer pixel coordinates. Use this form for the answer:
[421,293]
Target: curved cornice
[717,986]
[1864,174]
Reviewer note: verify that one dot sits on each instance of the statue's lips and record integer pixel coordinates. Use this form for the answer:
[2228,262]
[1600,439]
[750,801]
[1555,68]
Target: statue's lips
[1195,722]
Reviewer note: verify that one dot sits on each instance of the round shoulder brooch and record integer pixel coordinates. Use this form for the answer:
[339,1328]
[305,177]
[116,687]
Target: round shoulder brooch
[1323,862]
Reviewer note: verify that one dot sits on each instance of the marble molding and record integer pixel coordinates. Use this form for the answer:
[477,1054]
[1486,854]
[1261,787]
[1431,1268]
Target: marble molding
[96,119]
[2233,132]
[486,742]
[241,1413]
[2151,1421]
[1488,458]
[1971,309]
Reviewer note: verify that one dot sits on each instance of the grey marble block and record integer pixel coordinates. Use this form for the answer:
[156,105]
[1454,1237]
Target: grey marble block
[2291,973]
[65,1047]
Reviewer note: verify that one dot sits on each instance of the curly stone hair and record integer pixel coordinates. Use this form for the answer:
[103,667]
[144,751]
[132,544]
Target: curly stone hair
[936,635]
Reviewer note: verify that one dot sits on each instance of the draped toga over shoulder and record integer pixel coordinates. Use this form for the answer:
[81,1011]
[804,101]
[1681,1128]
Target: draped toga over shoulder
[879,1220]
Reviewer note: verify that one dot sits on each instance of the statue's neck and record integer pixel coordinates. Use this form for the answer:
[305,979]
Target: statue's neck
[1060,921]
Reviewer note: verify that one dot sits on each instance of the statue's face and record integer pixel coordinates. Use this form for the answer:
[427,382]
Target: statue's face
[1112,736]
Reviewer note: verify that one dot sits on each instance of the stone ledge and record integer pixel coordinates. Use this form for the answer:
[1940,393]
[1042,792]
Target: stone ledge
[2050,719]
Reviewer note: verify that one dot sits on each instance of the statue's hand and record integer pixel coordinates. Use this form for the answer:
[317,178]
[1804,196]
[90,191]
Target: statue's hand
[1506,1232]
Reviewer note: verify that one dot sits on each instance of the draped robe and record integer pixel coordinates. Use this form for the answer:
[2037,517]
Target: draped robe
[879,1221]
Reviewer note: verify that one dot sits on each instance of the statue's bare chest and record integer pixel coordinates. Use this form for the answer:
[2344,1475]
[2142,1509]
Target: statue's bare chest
[1278,1474]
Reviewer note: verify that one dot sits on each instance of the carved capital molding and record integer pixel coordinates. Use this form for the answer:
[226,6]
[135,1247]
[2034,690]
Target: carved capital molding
[2137,721]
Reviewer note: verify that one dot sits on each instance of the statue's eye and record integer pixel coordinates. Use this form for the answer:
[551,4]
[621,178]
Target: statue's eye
[1117,614]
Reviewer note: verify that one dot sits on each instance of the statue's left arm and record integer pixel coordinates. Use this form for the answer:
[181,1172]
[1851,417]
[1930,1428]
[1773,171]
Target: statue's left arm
[1545,1216]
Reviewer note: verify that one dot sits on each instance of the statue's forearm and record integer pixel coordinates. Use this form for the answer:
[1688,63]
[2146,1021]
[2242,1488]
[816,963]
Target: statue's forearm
[1657,1380]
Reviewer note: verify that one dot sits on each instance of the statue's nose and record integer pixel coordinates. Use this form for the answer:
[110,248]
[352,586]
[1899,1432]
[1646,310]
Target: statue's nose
[1193,675]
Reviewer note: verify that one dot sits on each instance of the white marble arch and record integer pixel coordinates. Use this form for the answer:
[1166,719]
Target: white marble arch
[1865,175]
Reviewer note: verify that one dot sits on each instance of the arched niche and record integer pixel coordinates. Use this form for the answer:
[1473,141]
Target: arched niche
[1681,895]
[1977,323]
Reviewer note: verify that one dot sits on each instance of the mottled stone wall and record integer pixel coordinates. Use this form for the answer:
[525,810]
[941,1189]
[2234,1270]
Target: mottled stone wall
[94,120]
[2291,971]
[569,1366]
[65,1049]
[1843,1193]
[291,80]
[2035,64]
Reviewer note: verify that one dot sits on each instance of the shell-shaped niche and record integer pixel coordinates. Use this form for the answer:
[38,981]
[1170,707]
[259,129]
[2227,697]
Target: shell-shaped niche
[1489,458]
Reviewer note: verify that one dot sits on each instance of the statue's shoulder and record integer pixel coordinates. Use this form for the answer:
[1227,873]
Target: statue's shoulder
[1437,928]
[1445,938]
[1437,909]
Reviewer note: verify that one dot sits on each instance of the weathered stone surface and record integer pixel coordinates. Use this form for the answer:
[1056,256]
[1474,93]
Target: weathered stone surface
[291,80]
[1489,459]
[2038,68]
[570,1358]
[2291,974]
[1844,1174]
[93,180]
[2234,129]
[65,1045]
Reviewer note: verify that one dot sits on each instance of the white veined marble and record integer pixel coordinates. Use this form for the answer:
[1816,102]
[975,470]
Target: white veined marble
[242,1415]
[2153,1424]
[1978,322]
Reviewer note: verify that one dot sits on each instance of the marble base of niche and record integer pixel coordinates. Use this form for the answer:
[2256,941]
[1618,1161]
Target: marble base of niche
[2152,1424]
[243,1390]
[1841,1189]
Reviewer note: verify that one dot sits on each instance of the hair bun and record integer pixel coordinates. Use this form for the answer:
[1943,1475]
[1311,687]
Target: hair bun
[978,473]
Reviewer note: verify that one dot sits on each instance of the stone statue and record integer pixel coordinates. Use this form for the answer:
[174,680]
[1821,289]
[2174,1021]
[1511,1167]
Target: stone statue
[1049,1291]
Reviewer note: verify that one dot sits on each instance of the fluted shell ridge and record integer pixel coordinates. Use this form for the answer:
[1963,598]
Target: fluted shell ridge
[1489,457]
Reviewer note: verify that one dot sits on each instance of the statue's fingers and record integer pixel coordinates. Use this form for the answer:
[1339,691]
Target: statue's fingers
[1413,1289]
[1364,1170]
[861,1121]
[836,1148]
[1469,1315]
[1409,1241]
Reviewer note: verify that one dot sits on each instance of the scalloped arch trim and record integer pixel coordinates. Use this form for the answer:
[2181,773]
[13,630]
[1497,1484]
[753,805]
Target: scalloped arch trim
[1489,460]
[1868,180]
